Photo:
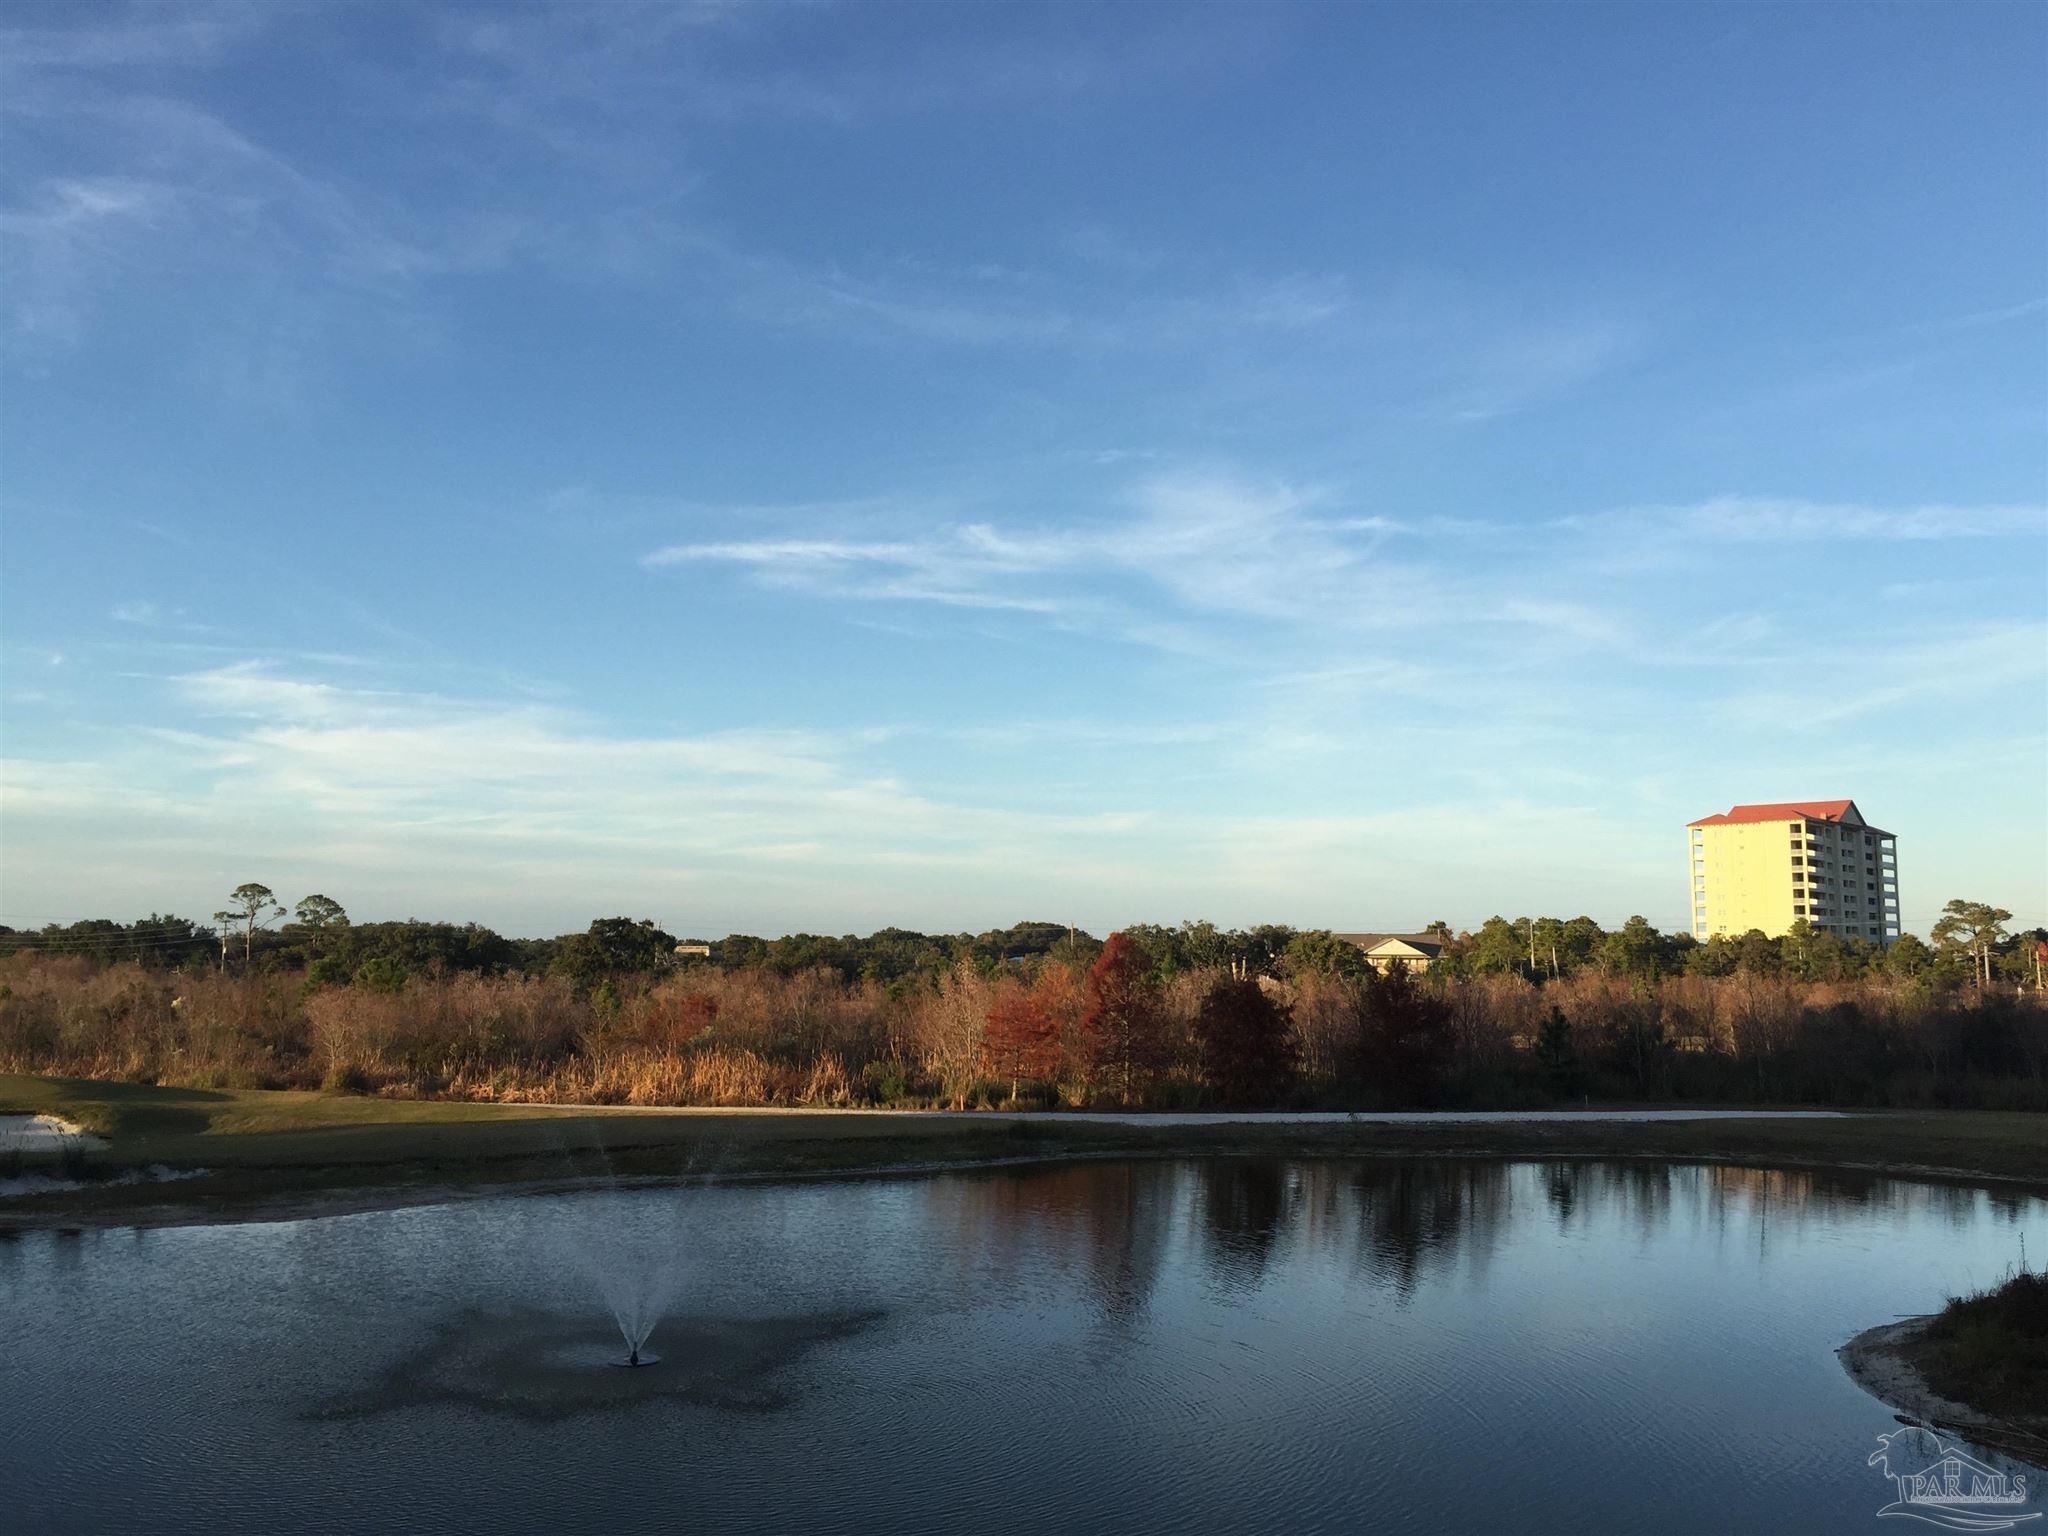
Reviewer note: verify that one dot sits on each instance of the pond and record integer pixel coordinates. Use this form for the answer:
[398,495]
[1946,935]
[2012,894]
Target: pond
[1400,1345]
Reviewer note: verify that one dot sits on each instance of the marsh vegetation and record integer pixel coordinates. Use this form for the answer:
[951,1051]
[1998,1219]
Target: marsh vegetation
[1034,1016]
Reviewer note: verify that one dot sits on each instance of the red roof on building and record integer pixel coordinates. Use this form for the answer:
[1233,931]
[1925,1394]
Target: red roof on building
[1778,810]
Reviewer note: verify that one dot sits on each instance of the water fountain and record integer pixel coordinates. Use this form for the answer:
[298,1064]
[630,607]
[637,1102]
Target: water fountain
[631,1247]
[631,1244]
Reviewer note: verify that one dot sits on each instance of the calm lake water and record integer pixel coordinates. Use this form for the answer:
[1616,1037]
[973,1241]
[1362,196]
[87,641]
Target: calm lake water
[1218,1344]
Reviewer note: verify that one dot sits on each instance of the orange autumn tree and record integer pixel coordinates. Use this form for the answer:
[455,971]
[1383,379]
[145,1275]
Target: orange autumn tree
[1124,1025]
[1022,1040]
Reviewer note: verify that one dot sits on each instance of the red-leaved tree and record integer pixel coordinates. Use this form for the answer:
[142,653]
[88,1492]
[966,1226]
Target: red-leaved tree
[1022,1040]
[1247,1048]
[1123,1025]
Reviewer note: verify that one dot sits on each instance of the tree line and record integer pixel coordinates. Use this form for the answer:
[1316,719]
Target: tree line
[1971,942]
[1038,1014]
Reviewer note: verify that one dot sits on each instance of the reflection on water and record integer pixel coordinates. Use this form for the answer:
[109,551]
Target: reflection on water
[1399,1219]
[531,1365]
[1253,1344]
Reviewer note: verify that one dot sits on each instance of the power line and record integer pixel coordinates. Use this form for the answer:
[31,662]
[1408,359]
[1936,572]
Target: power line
[51,944]
[162,936]
[92,934]
[160,922]
[158,925]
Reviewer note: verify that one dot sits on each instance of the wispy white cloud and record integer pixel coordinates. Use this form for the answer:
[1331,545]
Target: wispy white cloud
[2003,314]
[947,570]
[784,551]
[1259,801]
[1769,520]
[1579,621]
[717,61]
[125,177]
[1982,661]
[131,193]
[254,689]
[114,36]
[379,780]
[1107,247]
[1183,551]
[63,237]
[783,293]
[594,163]
[499,811]
[1177,311]
[1511,365]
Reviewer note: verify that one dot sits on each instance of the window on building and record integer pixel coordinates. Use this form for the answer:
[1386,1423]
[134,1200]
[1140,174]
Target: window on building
[1799,909]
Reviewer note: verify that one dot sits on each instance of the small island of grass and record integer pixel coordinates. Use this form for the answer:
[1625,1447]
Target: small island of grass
[1990,1350]
[1979,1366]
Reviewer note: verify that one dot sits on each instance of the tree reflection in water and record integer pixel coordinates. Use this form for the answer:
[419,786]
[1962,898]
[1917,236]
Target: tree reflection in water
[1402,1221]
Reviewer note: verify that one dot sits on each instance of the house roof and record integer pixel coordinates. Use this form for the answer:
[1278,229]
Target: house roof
[1431,944]
[1784,810]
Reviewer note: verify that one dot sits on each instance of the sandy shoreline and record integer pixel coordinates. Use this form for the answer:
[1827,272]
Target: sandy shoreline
[1875,1361]
[43,1134]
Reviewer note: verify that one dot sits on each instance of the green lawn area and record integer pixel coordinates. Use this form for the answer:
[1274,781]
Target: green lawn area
[187,1127]
[140,1119]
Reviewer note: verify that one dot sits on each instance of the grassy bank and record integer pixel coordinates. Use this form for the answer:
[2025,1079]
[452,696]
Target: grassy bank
[1990,1350]
[1977,1368]
[279,1153]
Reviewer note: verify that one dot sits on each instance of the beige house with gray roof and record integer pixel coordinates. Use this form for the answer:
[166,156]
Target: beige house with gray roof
[1416,951]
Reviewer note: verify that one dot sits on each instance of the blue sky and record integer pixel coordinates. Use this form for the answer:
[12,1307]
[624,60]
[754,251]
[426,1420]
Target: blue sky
[813,466]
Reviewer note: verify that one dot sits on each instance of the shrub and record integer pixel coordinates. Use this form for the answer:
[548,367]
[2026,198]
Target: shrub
[1247,1045]
[1990,1349]
[345,1078]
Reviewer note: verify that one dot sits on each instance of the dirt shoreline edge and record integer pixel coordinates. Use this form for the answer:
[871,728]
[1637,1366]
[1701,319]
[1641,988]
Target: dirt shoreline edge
[1875,1360]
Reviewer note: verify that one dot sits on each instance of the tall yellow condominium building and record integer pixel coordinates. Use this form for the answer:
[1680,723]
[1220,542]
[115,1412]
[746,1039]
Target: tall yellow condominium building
[1766,866]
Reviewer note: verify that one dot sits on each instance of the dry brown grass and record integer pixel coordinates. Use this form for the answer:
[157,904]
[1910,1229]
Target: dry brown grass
[710,1037]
